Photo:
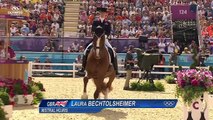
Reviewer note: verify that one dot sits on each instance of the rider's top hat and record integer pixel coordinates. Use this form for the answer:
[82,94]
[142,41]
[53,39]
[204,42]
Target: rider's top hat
[100,9]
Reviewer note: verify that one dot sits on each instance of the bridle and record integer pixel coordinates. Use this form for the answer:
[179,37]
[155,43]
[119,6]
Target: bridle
[98,38]
[97,47]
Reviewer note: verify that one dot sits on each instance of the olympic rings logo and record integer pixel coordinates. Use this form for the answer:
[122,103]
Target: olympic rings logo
[169,103]
[14,8]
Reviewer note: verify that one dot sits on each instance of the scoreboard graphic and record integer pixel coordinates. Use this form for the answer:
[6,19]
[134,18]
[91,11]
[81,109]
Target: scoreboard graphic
[184,23]
[94,106]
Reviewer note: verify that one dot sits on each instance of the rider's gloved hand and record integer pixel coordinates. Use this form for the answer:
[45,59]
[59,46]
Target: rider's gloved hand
[107,37]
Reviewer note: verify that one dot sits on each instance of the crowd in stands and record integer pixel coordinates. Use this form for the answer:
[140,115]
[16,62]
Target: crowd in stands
[132,18]
[151,18]
[75,46]
[46,17]
[206,17]
[129,18]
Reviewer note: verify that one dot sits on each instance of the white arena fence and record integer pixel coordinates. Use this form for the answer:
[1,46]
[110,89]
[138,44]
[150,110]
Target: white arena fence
[73,71]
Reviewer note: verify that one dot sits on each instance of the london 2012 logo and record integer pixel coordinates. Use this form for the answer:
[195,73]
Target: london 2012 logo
[16,11]
[169,103]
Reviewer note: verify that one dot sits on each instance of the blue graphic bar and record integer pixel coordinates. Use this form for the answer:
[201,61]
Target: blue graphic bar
[94,106]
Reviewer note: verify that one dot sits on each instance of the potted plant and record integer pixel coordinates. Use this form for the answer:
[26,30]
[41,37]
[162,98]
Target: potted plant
[22,92]
[7,107]
[192,84]
[2,112]
[40,86]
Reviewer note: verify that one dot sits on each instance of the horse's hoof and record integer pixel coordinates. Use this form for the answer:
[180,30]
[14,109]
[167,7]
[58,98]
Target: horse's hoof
[126,88]
[84,96]
[106,93]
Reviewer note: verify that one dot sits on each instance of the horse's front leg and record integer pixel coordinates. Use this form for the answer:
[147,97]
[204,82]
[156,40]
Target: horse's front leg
[85,96]
[97,93]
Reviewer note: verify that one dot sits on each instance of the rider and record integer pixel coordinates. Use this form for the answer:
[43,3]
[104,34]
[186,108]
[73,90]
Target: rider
[106,25]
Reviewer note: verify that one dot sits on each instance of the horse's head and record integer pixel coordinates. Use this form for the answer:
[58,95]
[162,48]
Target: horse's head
[98,40]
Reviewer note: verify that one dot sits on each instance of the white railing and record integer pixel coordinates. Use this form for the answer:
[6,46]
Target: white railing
[74,65]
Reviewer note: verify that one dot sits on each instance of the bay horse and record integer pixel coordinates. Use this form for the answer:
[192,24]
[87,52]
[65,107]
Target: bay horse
[98,66]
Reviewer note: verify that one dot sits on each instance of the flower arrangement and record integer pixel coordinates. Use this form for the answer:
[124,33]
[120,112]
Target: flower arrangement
[18,87]
[192,83]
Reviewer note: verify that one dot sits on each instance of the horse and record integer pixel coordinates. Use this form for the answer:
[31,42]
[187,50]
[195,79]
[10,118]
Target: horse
[98,66]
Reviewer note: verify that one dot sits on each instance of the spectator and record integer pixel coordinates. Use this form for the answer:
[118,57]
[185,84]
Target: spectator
[105,3]
[153,35]
[13,29]
[173,59]
[54,31]
[132,32]
[31,33]
[161,62]
[3,55]
[75,46]
[161,46]
[23,58]
[25,29]
[139,32]
[126,22]
[60,48]
[46,49]
[125,33]
[2,51]
[55,24]
[83,17]
[177,48]
[186,51]
[193,47]
[171,47]
[78,60]
[81,49]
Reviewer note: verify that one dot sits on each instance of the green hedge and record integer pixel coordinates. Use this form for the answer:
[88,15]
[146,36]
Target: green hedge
[170,79]
[147,86]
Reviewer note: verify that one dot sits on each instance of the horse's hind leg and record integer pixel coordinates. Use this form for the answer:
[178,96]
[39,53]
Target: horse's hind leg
[111,79]
[85,96]
[108,86]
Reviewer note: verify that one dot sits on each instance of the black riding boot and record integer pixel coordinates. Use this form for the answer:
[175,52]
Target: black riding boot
[84,62]
[82,71]
[113,60]
[115,65]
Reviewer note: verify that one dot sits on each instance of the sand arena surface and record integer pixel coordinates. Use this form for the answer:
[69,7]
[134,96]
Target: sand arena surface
[72,88]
